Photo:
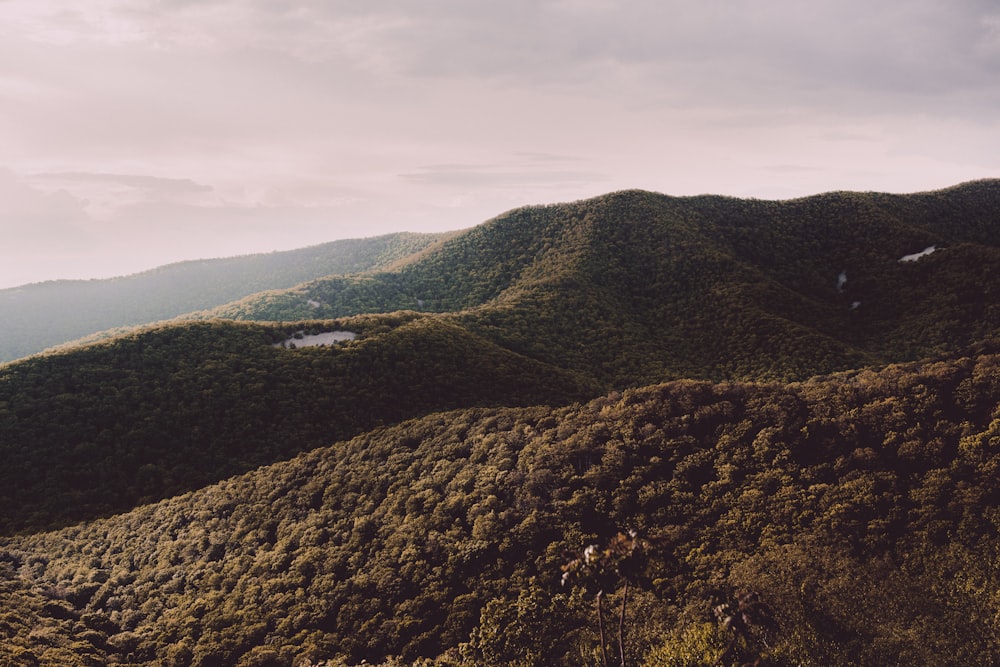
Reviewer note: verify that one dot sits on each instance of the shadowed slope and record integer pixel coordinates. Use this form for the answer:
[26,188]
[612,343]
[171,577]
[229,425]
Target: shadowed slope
[105,427]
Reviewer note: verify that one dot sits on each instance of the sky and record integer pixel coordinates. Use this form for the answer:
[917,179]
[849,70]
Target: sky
[135,133]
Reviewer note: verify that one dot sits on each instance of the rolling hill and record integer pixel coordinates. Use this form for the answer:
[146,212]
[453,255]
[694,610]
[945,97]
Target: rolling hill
[797,398]
[142,417]
[41,315]
[862,507]
[636,287]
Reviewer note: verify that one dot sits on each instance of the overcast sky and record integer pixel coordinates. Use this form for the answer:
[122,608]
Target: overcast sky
[139,132]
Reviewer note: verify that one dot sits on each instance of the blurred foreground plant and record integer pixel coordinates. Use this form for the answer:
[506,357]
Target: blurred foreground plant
[604,570]
[750,620]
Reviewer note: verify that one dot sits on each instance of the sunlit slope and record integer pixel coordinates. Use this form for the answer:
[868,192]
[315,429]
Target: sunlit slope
[637,287]
[37,316]
[862,507]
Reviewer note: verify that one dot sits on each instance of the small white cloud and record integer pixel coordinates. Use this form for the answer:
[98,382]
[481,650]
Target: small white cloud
[38,218]
[105,194]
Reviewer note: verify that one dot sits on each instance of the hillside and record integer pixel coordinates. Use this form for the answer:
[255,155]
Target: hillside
[146,416]
[637,287]
[41,315]
[541,305]
[799,399]
[862,507]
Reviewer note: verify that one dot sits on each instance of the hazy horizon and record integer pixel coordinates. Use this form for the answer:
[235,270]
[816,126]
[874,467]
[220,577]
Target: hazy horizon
[264,252]
[145,132]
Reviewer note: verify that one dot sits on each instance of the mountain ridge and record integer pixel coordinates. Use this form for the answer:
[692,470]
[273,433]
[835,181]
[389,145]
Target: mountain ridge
[713,238]
[37,316]
[790,398]
[621,291]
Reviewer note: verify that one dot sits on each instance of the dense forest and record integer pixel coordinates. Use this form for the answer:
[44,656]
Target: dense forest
[862,507]
[172,408]
[42,315]
[635,430]
[637,287]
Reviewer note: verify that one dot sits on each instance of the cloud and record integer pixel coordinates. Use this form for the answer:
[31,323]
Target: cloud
[38,220]
[167,76]
[502,175]
[692,51]
[152,185]
[214,122]
[102,194]
[41,233]
[921,45]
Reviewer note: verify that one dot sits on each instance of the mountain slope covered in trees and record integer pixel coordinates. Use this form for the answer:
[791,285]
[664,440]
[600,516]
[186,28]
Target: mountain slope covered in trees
[794,406]
[636,287]
[863,507]
[41,315]
[146,416]
[625,290]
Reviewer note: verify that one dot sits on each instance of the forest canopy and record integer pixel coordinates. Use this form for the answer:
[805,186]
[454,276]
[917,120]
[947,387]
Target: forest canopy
[863,508]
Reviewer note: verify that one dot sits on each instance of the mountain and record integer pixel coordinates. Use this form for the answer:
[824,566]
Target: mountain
[169,409]
[862,507]
[541,305]
[41,315]
[636,287]
[793,404]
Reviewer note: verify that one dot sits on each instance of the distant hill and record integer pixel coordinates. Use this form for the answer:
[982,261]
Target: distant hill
[41,315]
[636,287]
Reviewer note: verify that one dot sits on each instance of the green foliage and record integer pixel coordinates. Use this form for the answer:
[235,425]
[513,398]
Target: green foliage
[861,507]
[37,629]
[144,417]
[634,287]
[535,629]
[37,316]
[696,645]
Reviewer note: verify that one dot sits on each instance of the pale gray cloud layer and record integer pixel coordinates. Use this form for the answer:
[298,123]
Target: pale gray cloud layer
[137,132]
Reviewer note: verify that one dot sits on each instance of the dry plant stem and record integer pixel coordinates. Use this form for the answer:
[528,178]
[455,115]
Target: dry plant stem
[621,625]
[730,648]
[600,627]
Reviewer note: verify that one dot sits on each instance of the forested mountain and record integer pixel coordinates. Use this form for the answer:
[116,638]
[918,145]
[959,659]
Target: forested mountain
[636,287]
[40,315]
[169,409]
[863,508]
[793,407]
